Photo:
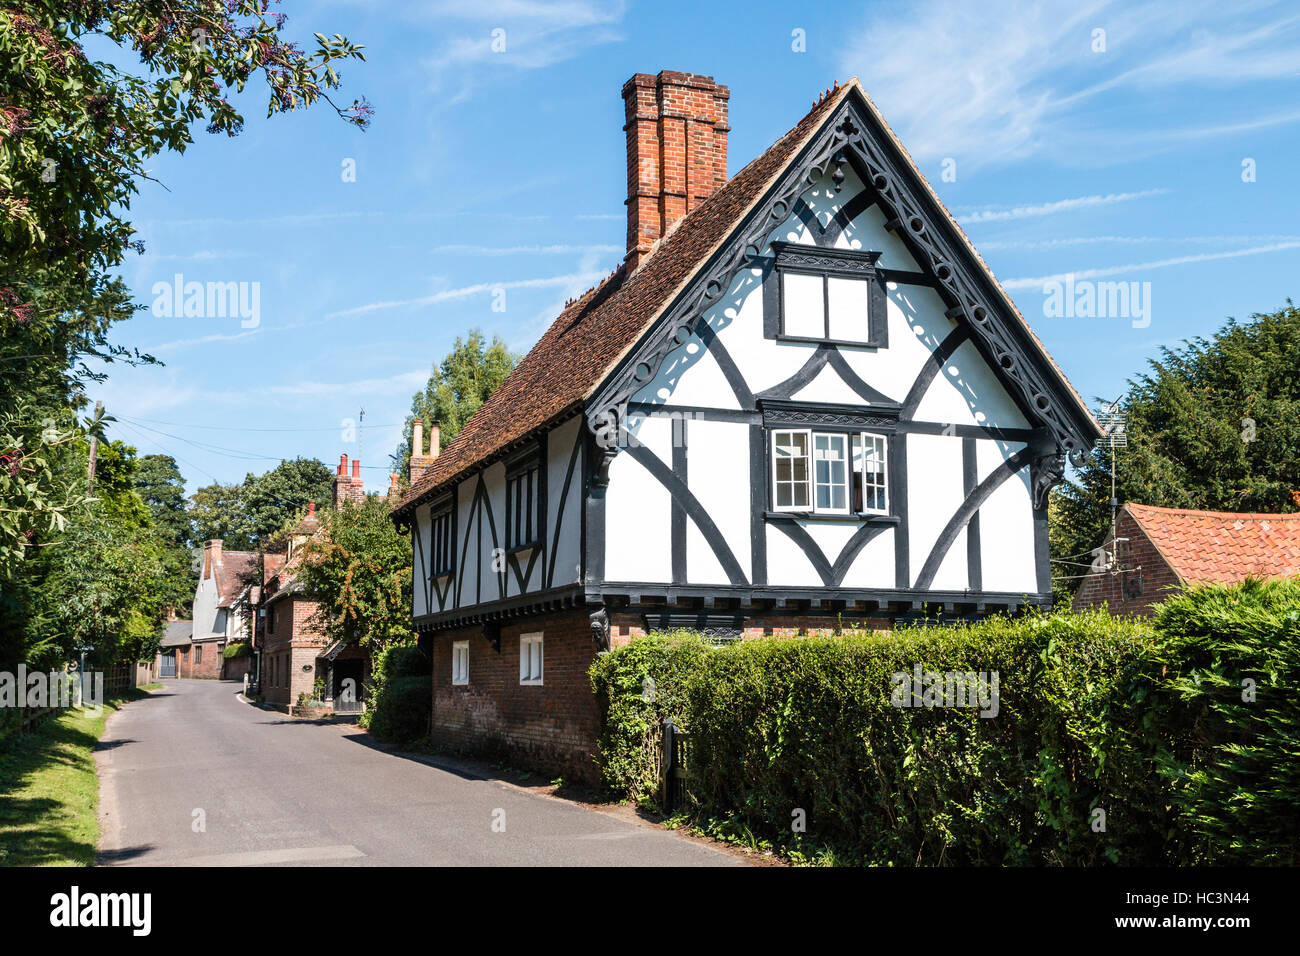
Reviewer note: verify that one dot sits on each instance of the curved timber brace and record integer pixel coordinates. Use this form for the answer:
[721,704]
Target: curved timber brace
[969,293]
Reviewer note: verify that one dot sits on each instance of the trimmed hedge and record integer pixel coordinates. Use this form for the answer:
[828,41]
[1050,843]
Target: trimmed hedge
[401,695]
[242,649]
[1100,722]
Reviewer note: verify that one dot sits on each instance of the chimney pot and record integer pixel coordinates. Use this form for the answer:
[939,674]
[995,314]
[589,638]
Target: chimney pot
[311,509]
[435,440]
[343,465]
[356,469]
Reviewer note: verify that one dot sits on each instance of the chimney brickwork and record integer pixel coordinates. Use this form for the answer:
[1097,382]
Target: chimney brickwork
[348,487]
[676,152]
[420,460]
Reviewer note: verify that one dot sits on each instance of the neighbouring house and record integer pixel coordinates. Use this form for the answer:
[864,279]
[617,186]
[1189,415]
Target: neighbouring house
[292,654]
[176,635]
[1156,549]
[802,401]
[196,648]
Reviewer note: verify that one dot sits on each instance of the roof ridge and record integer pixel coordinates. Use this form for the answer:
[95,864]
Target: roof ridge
[1203,513]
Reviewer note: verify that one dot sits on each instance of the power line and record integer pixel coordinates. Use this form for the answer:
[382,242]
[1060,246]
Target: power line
[242,428]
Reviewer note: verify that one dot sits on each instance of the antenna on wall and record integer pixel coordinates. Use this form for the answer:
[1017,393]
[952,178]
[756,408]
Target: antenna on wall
[1114,424]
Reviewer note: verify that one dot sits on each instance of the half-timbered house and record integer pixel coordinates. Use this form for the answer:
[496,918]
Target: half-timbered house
[802,402]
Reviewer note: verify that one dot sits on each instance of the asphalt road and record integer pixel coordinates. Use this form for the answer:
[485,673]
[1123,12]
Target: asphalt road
[194,776]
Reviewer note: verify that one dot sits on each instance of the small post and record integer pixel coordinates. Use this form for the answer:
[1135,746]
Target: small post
[670,766]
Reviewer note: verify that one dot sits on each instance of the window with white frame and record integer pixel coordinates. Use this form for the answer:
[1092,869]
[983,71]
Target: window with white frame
[870,481]
[460,662]
[530,659]
[790,472]
[832,295]
[829,472]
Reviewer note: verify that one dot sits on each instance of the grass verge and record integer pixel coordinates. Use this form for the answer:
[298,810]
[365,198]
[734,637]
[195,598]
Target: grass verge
[49,790]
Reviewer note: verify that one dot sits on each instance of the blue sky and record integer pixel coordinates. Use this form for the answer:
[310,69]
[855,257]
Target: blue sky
[1112,156]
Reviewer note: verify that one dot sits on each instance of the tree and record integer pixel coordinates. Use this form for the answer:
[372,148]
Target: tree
[359,566]
[159,482]
[1213,425]
[76,138]
[457,386]
[246,516]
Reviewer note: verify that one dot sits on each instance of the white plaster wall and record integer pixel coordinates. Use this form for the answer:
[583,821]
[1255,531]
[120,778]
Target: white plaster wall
[874,565]
[568,546]
[717,472]
[935,492]
[1006,525]
[638,512]
[419,569]
[968,392]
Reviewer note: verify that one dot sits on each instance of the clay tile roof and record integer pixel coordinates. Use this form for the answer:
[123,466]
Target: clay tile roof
[234,567]
[1223,546]
[593,332]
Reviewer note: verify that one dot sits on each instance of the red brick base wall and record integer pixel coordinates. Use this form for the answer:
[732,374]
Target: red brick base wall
[201,661]
[551,728]
[1142,576]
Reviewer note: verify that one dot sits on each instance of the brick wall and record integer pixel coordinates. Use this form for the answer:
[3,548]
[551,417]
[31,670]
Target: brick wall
[200,661]
[1134,591]
[551,728]
[624,627]
[289,654]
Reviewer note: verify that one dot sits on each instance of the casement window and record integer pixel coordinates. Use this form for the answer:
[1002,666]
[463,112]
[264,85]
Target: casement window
[870,478]
[460,662]
[198,655]
[829,472]
[530,659]
[523,496]
[441,550]
[828,295]
[790,470]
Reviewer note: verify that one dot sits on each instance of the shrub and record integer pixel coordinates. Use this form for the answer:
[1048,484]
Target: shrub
[401,694]
[1231,708]
[242,649]
[1100,721]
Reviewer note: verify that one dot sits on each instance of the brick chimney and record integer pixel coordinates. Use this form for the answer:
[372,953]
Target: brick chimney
[420,461]
[345,487]
[211,556]
[676,152]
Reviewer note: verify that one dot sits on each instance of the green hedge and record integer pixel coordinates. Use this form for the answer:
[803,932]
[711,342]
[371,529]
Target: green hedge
[1094,714]
[242,649]
[401,695]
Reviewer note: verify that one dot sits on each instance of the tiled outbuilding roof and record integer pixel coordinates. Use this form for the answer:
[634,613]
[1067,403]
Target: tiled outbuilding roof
[233,568]
[1223,546]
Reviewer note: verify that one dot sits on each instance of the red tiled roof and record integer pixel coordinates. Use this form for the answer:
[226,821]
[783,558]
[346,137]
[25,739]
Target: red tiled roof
[593,332]
[234,566]
[1223,546]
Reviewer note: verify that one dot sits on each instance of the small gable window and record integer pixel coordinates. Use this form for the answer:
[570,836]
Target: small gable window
[830,473]
[827,295]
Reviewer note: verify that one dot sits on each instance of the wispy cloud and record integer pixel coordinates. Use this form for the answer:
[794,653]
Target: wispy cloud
[1003,80]
[1039,281]
[1063,241]
[575,281]
[529,34]
[525,250]
[205,340]
[993,214]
